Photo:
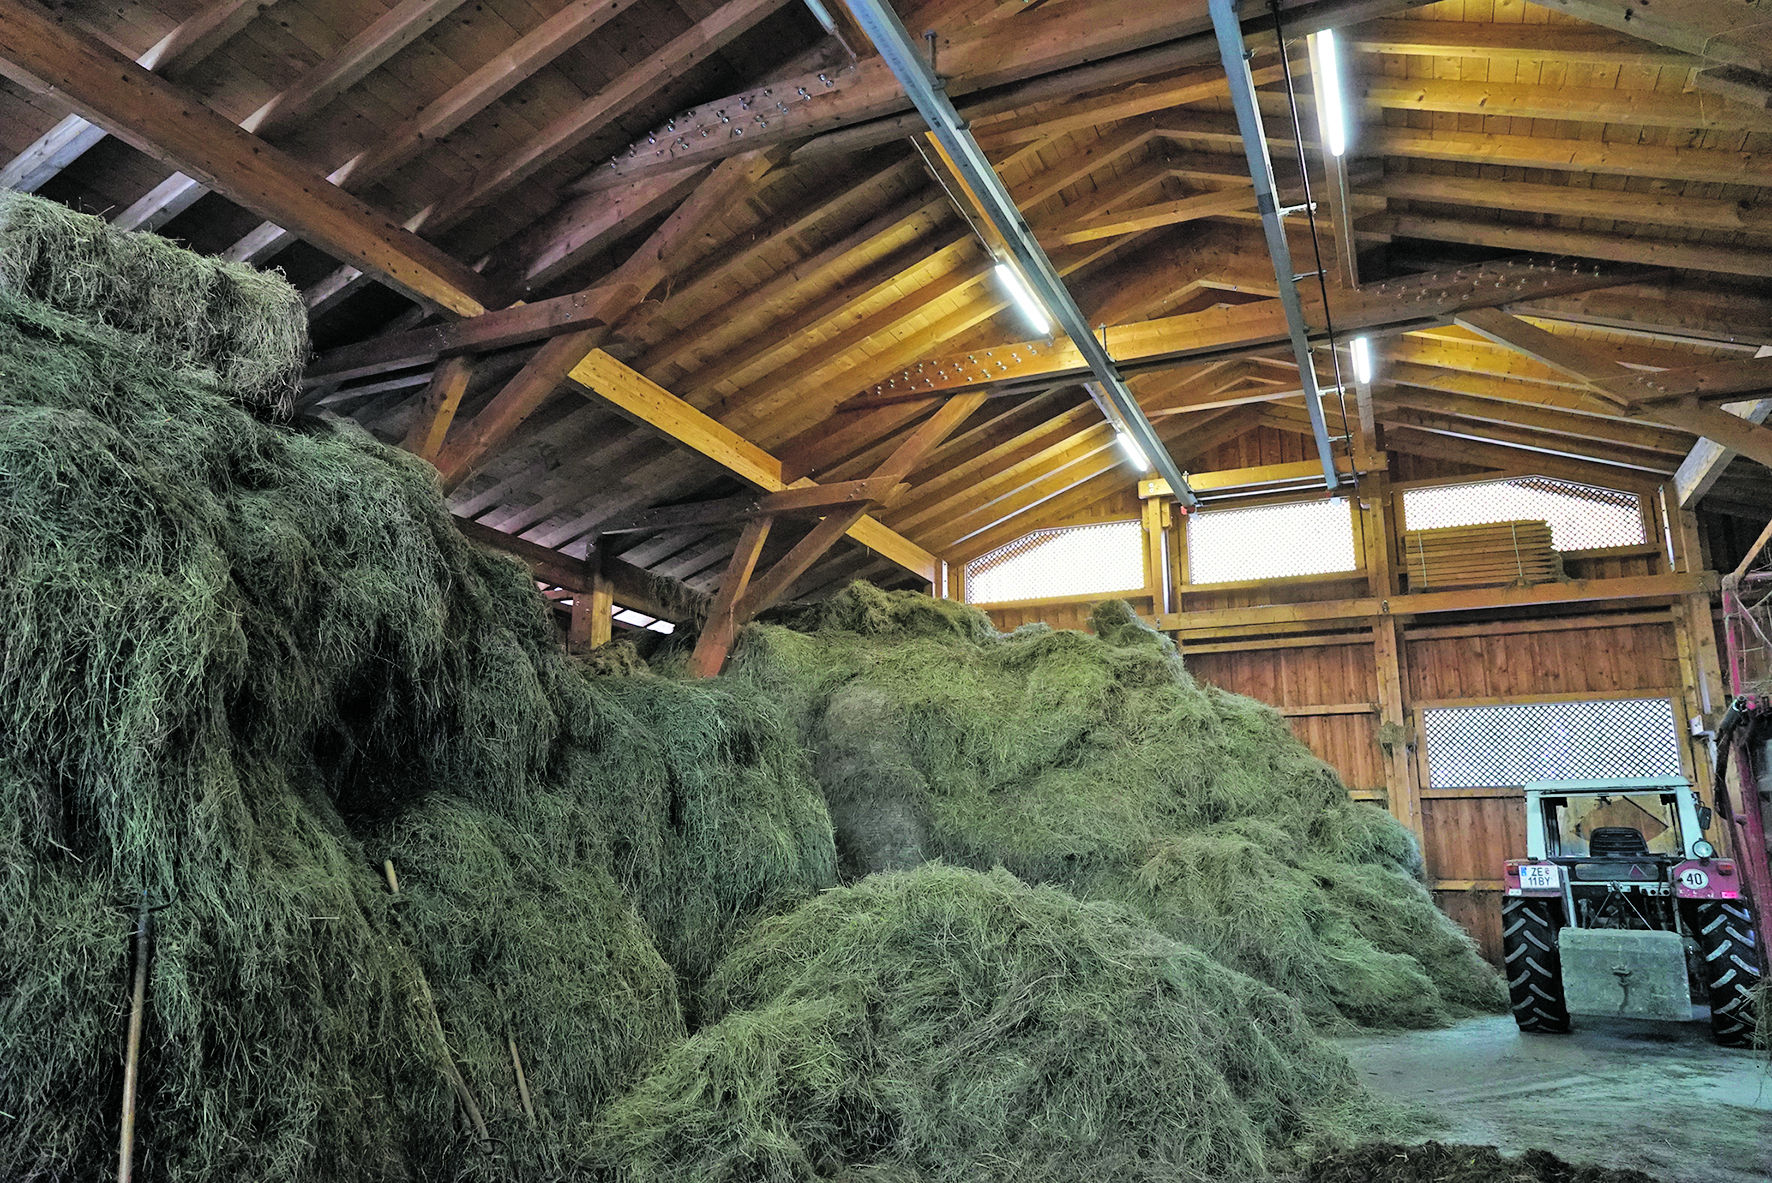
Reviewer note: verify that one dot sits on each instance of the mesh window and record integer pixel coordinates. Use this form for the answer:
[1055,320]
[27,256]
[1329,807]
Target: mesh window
[1069,561]
[1581,517]
[1505,746]
[1270,541]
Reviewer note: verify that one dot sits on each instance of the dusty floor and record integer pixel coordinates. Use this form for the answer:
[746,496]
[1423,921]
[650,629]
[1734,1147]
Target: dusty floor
[1658,1097]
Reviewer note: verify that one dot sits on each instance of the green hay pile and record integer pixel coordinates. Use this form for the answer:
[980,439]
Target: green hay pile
[247,326]
[1096,763]
[942,1024]
[244,664]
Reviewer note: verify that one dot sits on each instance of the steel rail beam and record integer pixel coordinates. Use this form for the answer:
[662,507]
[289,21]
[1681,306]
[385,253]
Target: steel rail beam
[1229,27]
[928,94]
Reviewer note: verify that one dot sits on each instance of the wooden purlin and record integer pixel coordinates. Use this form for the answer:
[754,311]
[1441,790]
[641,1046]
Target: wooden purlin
[1248,328]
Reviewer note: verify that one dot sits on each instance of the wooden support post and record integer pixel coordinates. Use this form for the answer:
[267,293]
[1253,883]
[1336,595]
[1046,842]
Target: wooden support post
[1401,779]
[448,383]
[1156,580]
[721,628]
[956,582]
[593,613]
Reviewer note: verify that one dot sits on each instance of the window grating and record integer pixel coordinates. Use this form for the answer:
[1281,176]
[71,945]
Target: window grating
[1067,561]
[1270,541]
[1581,517]
[1515,744]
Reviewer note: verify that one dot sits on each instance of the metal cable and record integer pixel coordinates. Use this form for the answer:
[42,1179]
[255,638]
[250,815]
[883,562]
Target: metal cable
[1310,209]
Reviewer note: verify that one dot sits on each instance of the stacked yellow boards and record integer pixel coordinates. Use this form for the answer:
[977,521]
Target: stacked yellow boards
[1473,556]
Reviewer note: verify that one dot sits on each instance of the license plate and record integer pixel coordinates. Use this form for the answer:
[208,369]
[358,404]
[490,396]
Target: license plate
[1539,877]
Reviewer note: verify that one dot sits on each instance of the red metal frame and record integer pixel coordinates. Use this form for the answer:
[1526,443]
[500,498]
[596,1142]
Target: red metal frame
[1741,631]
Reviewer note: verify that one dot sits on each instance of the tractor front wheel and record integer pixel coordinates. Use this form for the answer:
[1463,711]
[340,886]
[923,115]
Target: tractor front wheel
[1730,963]
[1533,963]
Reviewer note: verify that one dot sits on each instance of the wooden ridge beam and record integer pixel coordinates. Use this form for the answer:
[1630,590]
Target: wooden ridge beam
[1615,248]
[1510,42]
[1666,207]
[707,37]
[1732,32]
[635,586]
[1605,157]
[1636,108]
[1636,391]
[1043,55]
[1704,464]
[1722,314]
[42,53]
[807,499]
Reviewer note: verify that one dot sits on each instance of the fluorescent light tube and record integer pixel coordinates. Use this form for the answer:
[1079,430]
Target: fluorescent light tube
[1333,115]
[1031,309]
[1133,452]
[1361,348]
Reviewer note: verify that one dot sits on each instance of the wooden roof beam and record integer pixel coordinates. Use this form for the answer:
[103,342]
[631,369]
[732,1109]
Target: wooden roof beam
[1510,42]
[1677,390]
[704,39]
[486,85]
[1616,248]
[1260,326]
[175,54]
[387,35]
[44,54]
[1042,55]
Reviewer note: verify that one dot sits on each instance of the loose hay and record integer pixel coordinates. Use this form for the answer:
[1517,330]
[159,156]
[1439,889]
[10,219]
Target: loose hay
[944,1024]
[249,327]
[245,664]
[1433,1162]
[1098,764]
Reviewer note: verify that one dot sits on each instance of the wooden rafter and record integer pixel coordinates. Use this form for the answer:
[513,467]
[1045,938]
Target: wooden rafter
[1668,398]
[181,50]
[740,598]
[44,54]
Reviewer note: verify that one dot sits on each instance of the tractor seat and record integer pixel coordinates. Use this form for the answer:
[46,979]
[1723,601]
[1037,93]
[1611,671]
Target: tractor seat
[1617,840]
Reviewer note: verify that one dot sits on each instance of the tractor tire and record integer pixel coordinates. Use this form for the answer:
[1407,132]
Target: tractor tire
[1729,959]
[1533,963]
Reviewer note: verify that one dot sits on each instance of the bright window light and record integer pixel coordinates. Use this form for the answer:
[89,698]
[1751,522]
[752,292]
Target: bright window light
[1031,308]
[1271,541]
[1133,452]
[1334,112]
[1362,351]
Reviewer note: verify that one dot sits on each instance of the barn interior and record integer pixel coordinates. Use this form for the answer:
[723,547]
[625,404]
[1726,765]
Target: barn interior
[839,590]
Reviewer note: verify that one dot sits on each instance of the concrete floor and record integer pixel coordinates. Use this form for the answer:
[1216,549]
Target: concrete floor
[1658,1097]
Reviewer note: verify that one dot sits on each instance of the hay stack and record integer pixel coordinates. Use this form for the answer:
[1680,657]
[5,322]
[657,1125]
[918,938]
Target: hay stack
[1096,763]
[942,1024]
[247,326]
[244,664]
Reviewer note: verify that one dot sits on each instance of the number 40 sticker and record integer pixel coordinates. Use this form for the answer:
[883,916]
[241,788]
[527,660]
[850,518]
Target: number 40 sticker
[1693,879]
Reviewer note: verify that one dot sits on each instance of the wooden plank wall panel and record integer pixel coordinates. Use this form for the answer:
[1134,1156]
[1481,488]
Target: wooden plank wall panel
[1478,913]
[1311,677]
[1062,614]
[1602,661]
[1469,838]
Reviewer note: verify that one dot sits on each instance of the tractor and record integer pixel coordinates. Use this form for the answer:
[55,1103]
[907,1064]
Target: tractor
[1623,909]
